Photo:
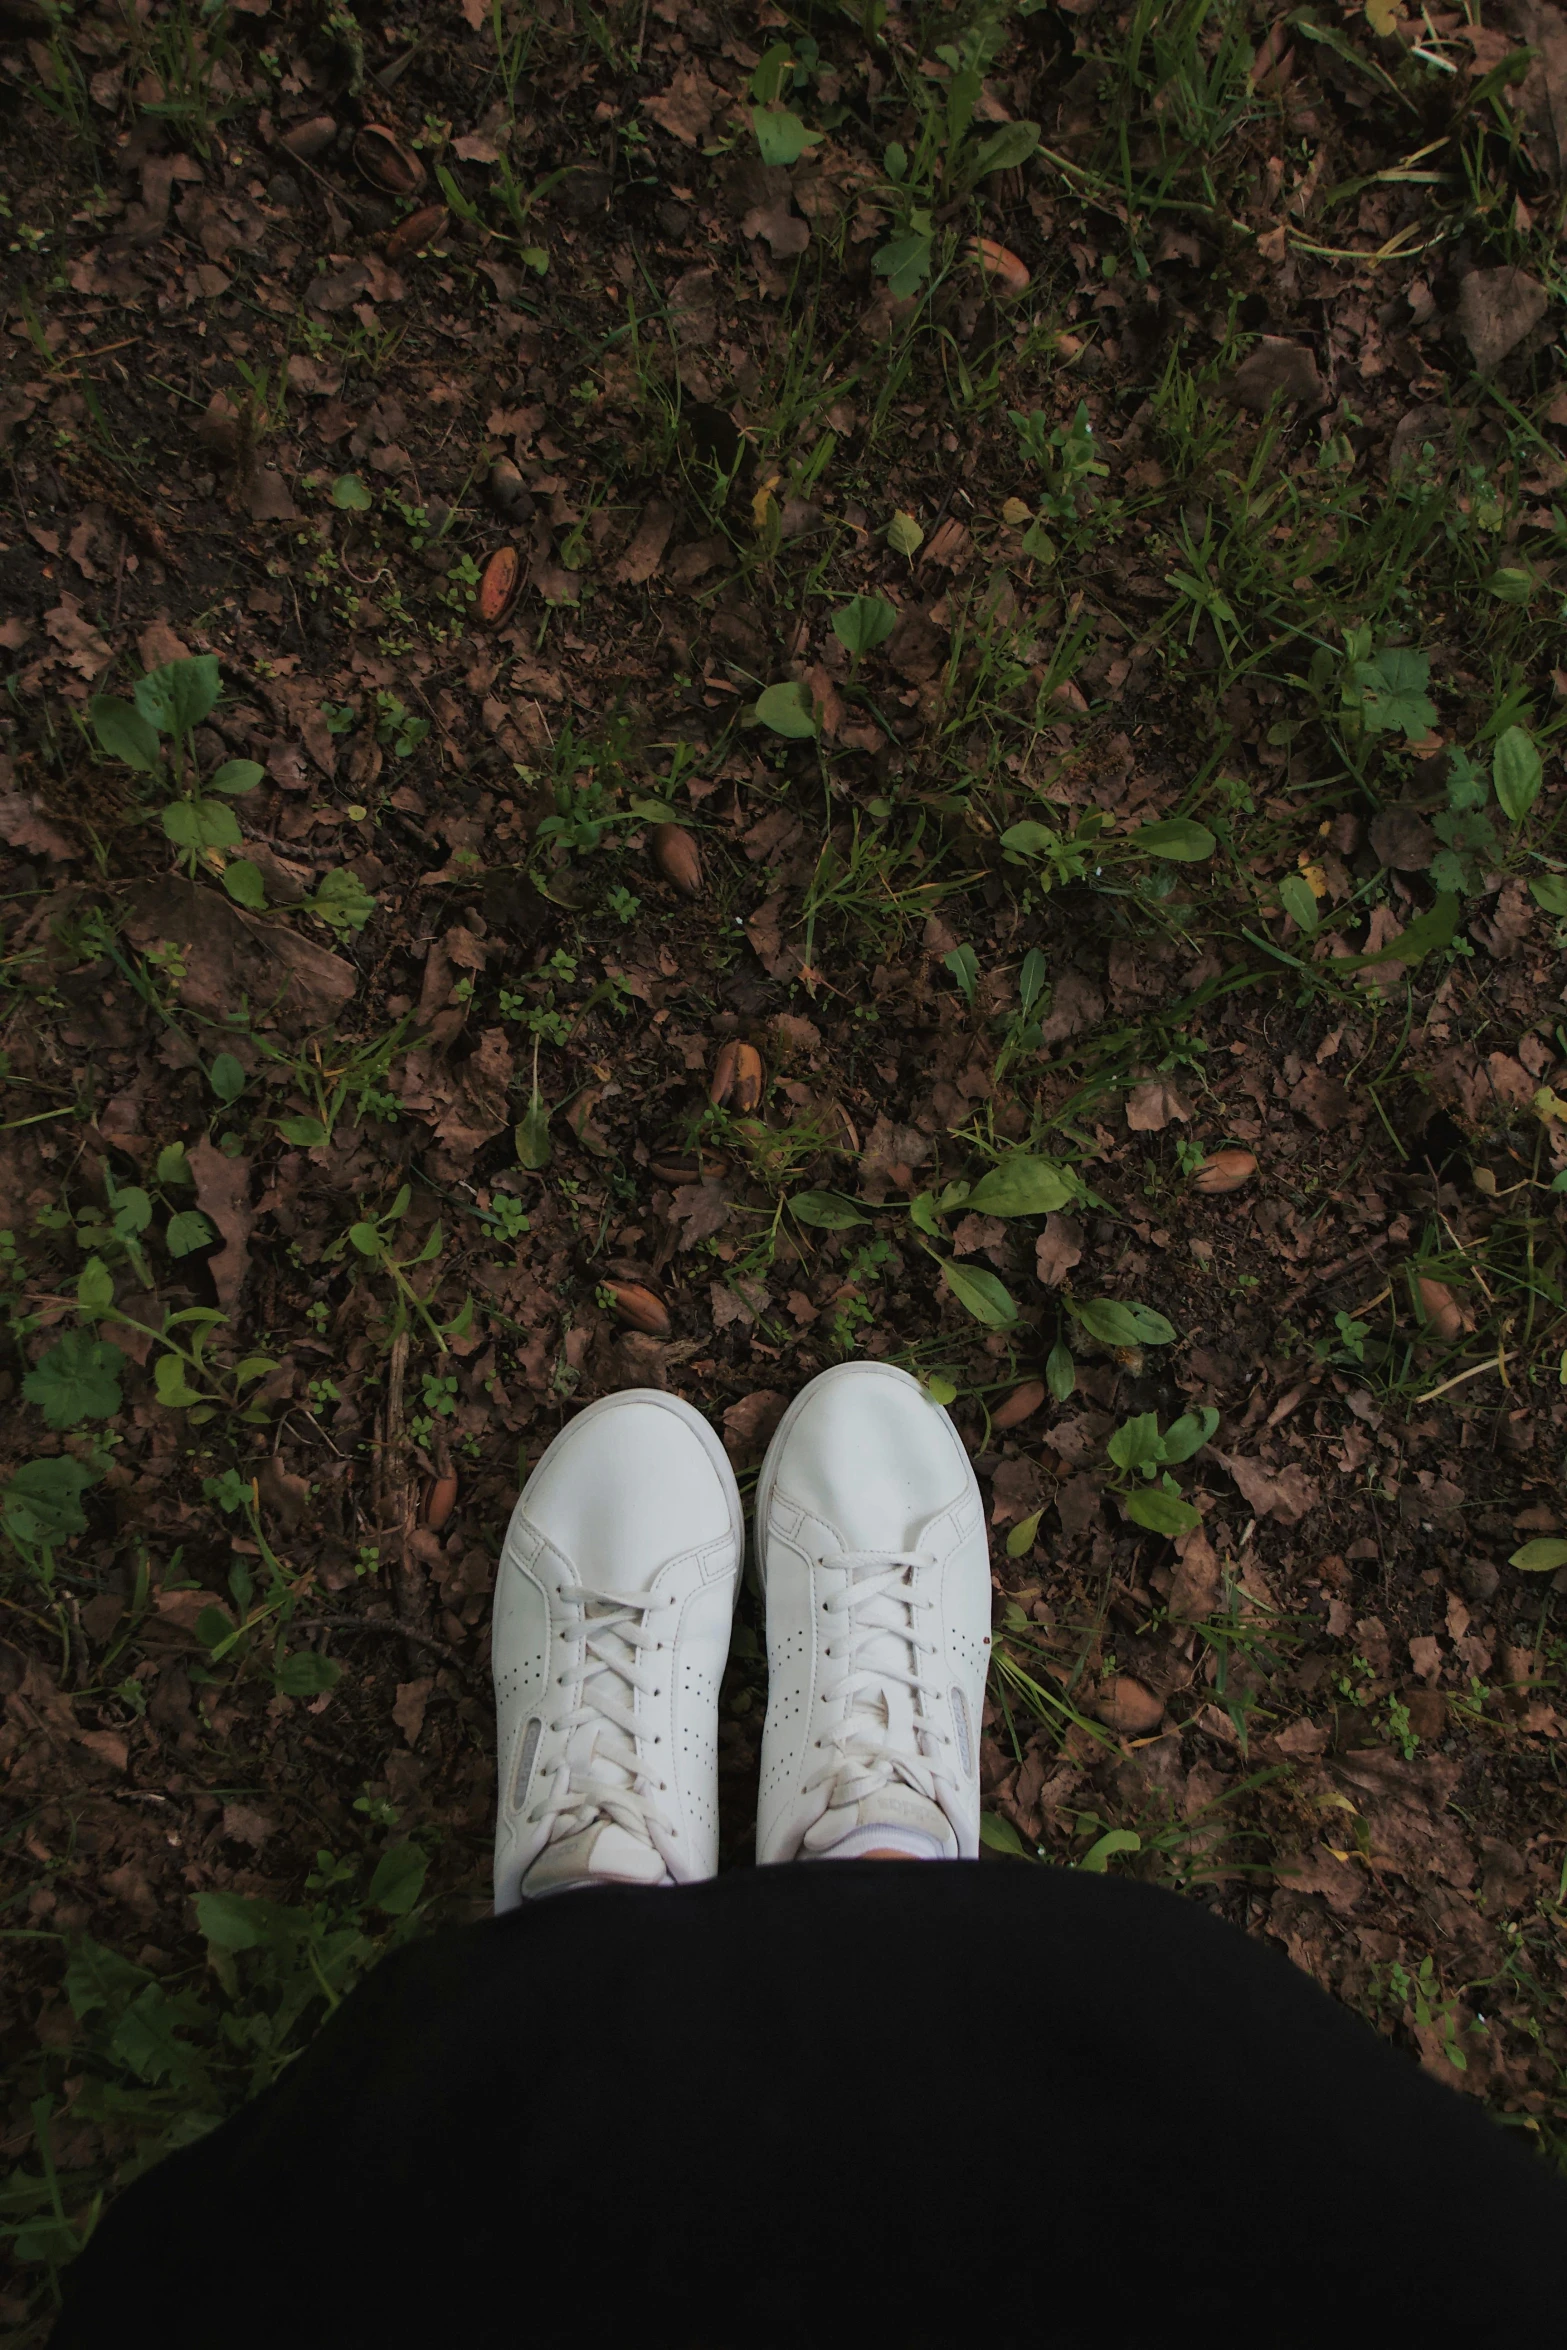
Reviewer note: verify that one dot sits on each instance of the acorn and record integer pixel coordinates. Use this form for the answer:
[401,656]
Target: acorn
[680,1167]
[498,587]
[440,1501]
[1224,1171]
[737,1078]
[1008,275]
[676,856]
[421,228]
[504,486]
[385,162]
[638,1307]
[1440,1311]
[309,140]
[1020,1405]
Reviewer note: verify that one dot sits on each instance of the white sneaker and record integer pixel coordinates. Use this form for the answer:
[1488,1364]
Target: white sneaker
[613,1607]
[875,1570]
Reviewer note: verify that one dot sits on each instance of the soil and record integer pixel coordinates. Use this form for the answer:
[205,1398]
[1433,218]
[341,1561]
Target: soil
[236,426]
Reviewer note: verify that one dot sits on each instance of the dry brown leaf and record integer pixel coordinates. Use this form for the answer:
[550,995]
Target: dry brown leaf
[1277,368]
[408,1708]
[687,107]
[1058,1248]
[1496,309]
[750,1423]
[223,1196]
[1151,1105]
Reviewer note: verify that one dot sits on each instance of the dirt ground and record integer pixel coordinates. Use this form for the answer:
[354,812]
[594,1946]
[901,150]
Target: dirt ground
[607,971]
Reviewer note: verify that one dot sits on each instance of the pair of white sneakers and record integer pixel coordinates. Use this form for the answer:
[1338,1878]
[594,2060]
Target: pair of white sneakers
[613,1607]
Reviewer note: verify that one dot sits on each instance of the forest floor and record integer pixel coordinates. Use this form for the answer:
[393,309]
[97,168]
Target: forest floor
[689,692]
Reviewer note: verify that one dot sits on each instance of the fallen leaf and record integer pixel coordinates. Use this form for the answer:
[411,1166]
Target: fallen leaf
[1277,368]
[686,108]
[24,826]
[1128,1707]
[1496,309]
[1284,1494]
[703,1208]
[408,1708]
[1198,1577]
[1151,1105]
[750,1423]
[1058,1248]
[1403,839]
[223,1195]
[646,551]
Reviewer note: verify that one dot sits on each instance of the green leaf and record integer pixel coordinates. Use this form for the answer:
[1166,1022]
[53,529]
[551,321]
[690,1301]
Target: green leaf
[1393,693]
[1136,1444]
[1429,931]
[94,1287]
[781,136]
[78,1379]
[1023,1536]
[1021,1186]
[227,1078]
[827,1210]
[1116,1840]
[997,1834]
[366,1239]
[351,494]
[1162,1513]
[1030,839]
[1298,901]
[533,1136]
[922,1214]
[1550,891]
[1515,770]
[399,1880]
[168,1377]
[42,1502]
[172,1164]
[1510,585]
[787,710]
[1060,1371]
[132,1210]
[941,1391]
[244,884]
[188,1231]
[1178,838]
[180,694]
[864,623]
[215,1629]
[1032,974]
[904,535]
[342,902]
[305,1674]
[1115,1324]
[201,825]
[1004,150]
[1190,1433]
[124,733]
[963,964]
[306,1134]
[986,1298]
[230,1921]
[905,263]
[236,776]
[1542,1557]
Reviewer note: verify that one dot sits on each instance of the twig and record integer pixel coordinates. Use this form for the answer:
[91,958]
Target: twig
[1496,1363]
[394,1511]
[442,1648]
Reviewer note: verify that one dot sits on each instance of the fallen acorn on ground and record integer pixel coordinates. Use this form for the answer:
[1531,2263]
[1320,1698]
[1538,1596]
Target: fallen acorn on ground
[308,140]
[440,1501]
[385,162]
[1440,1311]
[677,858]
[638,1307]
[1127,1706]
[1020,1405]
[498,587]
[1008,275]
[680,1167]
[1224,1171]
[737,1078]
[421,228]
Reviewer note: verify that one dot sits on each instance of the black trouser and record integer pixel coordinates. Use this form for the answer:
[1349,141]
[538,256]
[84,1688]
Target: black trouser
[879,2101]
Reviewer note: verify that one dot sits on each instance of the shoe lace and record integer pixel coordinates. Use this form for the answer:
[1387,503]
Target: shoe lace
[602,1773]
[885,1732]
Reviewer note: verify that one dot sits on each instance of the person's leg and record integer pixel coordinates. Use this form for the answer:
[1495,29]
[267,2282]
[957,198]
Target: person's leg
[875,1569]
